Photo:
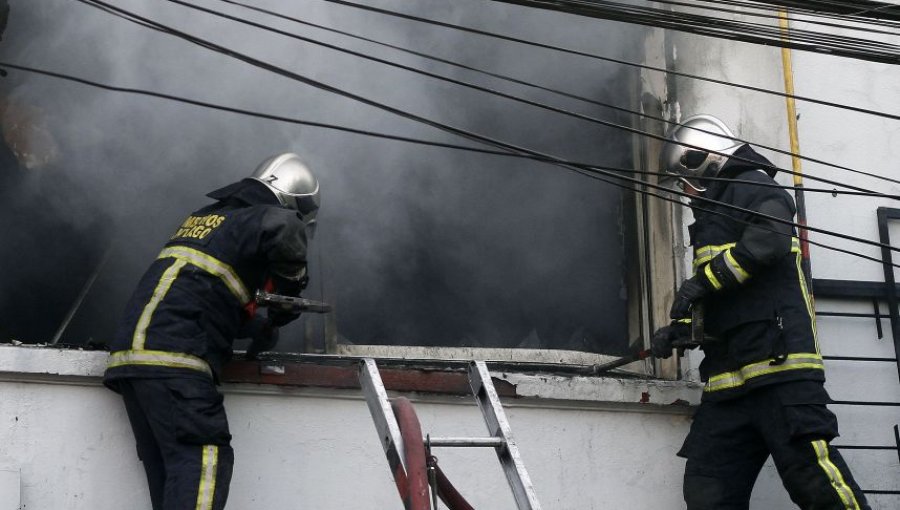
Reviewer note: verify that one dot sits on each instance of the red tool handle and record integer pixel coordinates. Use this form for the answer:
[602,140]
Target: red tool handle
[251,307]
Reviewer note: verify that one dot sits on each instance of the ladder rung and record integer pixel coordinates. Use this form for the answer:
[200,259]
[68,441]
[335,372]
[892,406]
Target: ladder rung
[494,442]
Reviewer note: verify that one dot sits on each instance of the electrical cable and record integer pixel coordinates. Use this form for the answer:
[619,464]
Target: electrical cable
[745,31]
[804,10]
[491,91]
[885,10]
[793,11]
[604,175]
[769,13]
[405,139]
[142,21]
[811,17]
[571,51]
[278,118]
[562,93]
[766,15]
[804,40]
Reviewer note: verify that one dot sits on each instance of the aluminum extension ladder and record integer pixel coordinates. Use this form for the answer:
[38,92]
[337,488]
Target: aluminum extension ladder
[488,402]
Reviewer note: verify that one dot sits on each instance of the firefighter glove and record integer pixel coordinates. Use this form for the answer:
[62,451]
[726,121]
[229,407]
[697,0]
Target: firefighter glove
[280,317]
[264,339]
[664,339]
[690,291]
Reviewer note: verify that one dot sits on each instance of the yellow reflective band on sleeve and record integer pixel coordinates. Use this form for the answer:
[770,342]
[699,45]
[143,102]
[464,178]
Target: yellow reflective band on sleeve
[158,359]
[835,478]
[712,278]
[739,273]
[207,489]
[704,254]
[165,282]
[211,265]
[728,380]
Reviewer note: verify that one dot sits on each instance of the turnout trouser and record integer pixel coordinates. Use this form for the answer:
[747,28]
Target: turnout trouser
[182,439]
[730,441]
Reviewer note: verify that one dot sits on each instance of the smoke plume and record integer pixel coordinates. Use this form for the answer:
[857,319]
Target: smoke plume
[416,245]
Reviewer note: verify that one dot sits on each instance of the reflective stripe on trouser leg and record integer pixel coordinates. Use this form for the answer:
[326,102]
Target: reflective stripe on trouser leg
[199,477]
[208,468]
[835,477]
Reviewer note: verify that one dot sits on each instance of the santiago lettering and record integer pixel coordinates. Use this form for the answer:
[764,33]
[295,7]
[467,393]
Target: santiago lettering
[198,227]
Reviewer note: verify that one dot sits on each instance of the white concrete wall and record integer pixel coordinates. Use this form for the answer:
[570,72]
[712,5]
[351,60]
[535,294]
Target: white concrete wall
[850,139]
[318,449]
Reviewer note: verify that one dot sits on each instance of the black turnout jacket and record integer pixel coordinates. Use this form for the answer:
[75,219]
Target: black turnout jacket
[192,302]
[759,312]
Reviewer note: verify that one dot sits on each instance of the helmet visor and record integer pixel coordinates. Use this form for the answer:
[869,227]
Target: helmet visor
[692,159]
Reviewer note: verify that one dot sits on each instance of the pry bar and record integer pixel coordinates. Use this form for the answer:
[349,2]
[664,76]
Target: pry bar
[291,304]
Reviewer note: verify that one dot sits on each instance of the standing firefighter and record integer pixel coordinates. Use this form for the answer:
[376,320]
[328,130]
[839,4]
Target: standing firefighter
[764,375]
[189,306]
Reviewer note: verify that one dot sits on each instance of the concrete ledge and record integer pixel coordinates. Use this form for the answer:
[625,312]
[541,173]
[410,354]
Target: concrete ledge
[42,360]
[35,363]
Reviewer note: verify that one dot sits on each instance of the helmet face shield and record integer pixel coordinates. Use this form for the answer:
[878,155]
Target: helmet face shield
[693,158]
[697,149]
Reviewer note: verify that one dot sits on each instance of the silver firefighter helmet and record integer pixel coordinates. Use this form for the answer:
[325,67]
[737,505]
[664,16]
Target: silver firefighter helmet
[698,148]
[292,182]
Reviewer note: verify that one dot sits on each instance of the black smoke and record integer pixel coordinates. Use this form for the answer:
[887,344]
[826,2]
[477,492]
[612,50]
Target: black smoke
[416,245]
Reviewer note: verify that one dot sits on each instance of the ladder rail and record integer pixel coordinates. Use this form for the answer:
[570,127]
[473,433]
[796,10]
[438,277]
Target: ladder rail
[498,426]
[382,414]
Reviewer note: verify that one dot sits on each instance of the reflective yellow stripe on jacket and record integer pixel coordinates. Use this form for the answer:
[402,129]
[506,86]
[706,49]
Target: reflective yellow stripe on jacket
[740,274]
[162,288]
[183,255]
[211,265]
[158,359]
[704,254]
[728,380]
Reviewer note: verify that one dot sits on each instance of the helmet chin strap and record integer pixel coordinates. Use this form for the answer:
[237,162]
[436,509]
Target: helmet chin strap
[691,188]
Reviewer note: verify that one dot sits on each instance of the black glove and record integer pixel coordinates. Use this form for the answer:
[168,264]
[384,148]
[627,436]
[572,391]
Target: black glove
[279,317]
[690,291]
[264,339]
[664,339]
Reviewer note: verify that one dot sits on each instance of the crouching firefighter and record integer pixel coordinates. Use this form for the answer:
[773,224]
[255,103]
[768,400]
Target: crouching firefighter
[764,392]
[188,308]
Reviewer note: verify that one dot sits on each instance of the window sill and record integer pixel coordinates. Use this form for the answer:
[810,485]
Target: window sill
[517,384]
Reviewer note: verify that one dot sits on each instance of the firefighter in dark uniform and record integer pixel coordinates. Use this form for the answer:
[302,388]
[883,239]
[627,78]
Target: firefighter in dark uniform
[764,392]
[189,306]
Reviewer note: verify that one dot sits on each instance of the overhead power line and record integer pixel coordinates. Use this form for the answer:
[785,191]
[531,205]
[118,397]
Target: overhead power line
[539,87]
[586,166]
[512,97]
[397,138]
[603,58]
[758,33]
[809,17]
[861,9]
[604,176]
